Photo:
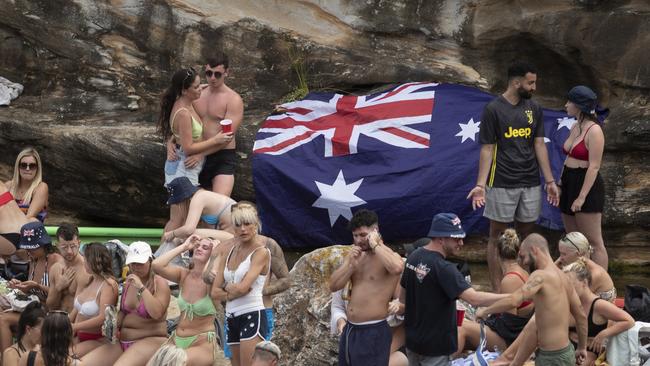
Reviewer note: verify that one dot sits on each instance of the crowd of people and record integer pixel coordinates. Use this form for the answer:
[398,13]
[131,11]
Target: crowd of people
[386,310]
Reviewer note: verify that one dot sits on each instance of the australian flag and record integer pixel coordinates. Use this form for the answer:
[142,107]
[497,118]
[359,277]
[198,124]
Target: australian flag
[407,153]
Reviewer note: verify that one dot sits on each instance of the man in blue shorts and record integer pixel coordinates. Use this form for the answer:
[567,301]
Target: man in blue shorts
[512,153]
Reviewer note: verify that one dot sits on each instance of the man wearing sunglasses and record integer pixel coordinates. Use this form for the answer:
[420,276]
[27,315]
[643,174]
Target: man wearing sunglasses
[219,102]
[65,276]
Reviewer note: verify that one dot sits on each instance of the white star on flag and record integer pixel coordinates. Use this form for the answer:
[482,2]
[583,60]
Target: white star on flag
[546,140]
[468,130]
[338,198]
[565,122]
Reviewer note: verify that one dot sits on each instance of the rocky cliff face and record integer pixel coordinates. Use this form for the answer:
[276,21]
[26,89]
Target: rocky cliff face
[93,72]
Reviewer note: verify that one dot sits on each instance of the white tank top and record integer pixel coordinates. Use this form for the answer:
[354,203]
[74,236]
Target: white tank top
[253,300]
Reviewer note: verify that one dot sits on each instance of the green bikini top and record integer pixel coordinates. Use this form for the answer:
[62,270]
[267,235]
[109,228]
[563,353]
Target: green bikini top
[197,126]
[202,307]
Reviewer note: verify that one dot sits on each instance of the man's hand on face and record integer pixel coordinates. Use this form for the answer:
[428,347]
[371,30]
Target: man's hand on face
[355,256]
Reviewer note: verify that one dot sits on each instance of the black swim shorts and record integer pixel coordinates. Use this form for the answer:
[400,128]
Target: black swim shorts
[222,162]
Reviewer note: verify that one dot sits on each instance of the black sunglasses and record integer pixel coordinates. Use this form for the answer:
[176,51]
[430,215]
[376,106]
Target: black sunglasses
[564,238]
[217,74]
[30,166]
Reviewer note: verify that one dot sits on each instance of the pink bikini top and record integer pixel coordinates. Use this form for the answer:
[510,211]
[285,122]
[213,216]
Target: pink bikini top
[141,311]
[579,151]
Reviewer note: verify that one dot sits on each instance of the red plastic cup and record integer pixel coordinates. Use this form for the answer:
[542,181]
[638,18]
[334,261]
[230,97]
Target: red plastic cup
[226,126]
[460,316]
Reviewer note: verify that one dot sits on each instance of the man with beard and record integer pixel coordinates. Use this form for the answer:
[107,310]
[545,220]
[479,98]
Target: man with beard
[555,302]
[512,152]
[65,276]
[430,286]
[372,270]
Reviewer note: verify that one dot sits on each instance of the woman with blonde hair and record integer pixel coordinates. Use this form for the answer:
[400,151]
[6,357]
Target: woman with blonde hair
[27,186]
[604,319]
[573,246]
[141,322]
[240,279]
[196,332]
[501,329]
[92,298]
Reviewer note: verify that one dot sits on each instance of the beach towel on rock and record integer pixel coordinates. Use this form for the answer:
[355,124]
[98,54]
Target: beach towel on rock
[9,91]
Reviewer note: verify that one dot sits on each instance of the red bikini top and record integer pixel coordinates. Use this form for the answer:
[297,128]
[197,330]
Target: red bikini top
[579,151]
[5,198]
[527,302]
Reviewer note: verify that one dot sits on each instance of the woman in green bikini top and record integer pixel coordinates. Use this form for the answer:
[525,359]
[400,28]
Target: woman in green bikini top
[195,333]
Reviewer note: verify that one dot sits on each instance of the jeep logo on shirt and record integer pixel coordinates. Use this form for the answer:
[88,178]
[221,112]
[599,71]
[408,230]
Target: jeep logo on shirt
[518,132]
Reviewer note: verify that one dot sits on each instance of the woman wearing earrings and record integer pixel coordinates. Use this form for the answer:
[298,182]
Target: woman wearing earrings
[27,186]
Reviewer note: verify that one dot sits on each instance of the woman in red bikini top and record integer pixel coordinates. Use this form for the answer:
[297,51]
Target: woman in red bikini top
[582,198]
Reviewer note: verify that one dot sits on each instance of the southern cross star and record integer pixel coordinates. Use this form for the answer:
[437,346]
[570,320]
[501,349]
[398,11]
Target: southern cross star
[468,130]
[565,122]
[338,198]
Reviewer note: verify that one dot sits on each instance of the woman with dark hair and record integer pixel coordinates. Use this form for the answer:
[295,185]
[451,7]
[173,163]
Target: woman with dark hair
[141,322]
[182,128]
[501,329]
[27,186]
[56,342]
[583,192]
[28,334]
[92,298]
[196,332]
[38,244]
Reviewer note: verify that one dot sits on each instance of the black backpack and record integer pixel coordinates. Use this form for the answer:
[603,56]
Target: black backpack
[637,302]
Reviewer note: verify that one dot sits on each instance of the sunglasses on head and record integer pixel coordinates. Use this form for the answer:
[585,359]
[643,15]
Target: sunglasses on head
[188,73]
[217,74]
[30,166]
[564,238]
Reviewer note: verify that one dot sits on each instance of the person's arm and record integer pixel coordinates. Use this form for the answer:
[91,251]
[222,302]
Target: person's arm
[173,273]
[279,269]
[391,261]
[259,259]
[481,298]
[343,274]
[155,304]
[108,296]
[509,301]
[39,200]
[477,194]
[338,316]
[183,122]
[596,146]
[60,279]
[542,159]
[619,321]
[193,216]
[575,307]
[217,291]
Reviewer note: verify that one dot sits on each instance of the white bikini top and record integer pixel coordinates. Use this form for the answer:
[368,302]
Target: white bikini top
[89,308]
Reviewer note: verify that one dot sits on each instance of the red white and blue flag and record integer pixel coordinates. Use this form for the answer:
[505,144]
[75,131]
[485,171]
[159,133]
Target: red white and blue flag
[407,153]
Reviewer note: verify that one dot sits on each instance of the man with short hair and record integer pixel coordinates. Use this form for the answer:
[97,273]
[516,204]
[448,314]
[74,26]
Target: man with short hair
[266,354]
[555,301]
[65,276]
[372,269]
[430,287]
[219,102]
[512,152]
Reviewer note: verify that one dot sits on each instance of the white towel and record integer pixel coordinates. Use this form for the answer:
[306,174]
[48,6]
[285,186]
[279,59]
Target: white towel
[9,91]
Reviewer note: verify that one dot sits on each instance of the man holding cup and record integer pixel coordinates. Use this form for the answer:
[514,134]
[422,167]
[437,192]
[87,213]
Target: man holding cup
[430,287]
[221,109]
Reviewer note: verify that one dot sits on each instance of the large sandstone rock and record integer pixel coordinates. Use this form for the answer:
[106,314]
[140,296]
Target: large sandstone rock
[303,312]
[93,72]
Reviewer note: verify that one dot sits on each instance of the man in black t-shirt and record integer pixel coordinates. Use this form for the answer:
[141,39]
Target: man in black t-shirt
[430,287]
[512,152]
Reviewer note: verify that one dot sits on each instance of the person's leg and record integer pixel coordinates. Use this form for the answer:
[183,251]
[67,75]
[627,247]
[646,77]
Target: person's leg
[569,222]
[246,350]
[590,225]
[139,352]
[524,228]
[7,321]
[530,330]
[175,218]
[397,358]
[494,265]
[104,355]
[201,353]
[234,354]
[399,338]
[223,184]
[83,348]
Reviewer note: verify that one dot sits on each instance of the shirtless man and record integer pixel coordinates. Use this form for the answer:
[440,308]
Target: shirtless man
[65,276]
[373,270]
[219,102]
[555,302]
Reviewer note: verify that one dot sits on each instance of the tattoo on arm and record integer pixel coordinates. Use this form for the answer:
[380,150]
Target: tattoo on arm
[530,286]
[279,268]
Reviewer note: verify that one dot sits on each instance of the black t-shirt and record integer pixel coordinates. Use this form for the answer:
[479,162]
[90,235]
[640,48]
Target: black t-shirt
[432,286]
[513,129]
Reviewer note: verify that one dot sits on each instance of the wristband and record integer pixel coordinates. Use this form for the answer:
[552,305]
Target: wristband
[140,291]
[550,182]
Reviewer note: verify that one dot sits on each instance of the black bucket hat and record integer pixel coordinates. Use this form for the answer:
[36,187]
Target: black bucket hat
[584,98]
[180,189]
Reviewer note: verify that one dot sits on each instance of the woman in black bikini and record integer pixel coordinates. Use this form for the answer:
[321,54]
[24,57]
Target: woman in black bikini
[56,339]
[28,334]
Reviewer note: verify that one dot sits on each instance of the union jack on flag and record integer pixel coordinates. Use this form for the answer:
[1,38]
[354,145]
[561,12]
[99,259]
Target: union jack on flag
[342,119]
[407,153]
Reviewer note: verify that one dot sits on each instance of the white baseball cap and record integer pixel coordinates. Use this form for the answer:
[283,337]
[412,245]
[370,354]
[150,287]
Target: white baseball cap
[139,252]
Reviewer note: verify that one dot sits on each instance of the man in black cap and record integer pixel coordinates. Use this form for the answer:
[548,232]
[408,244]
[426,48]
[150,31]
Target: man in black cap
[430,287]
[512,152]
